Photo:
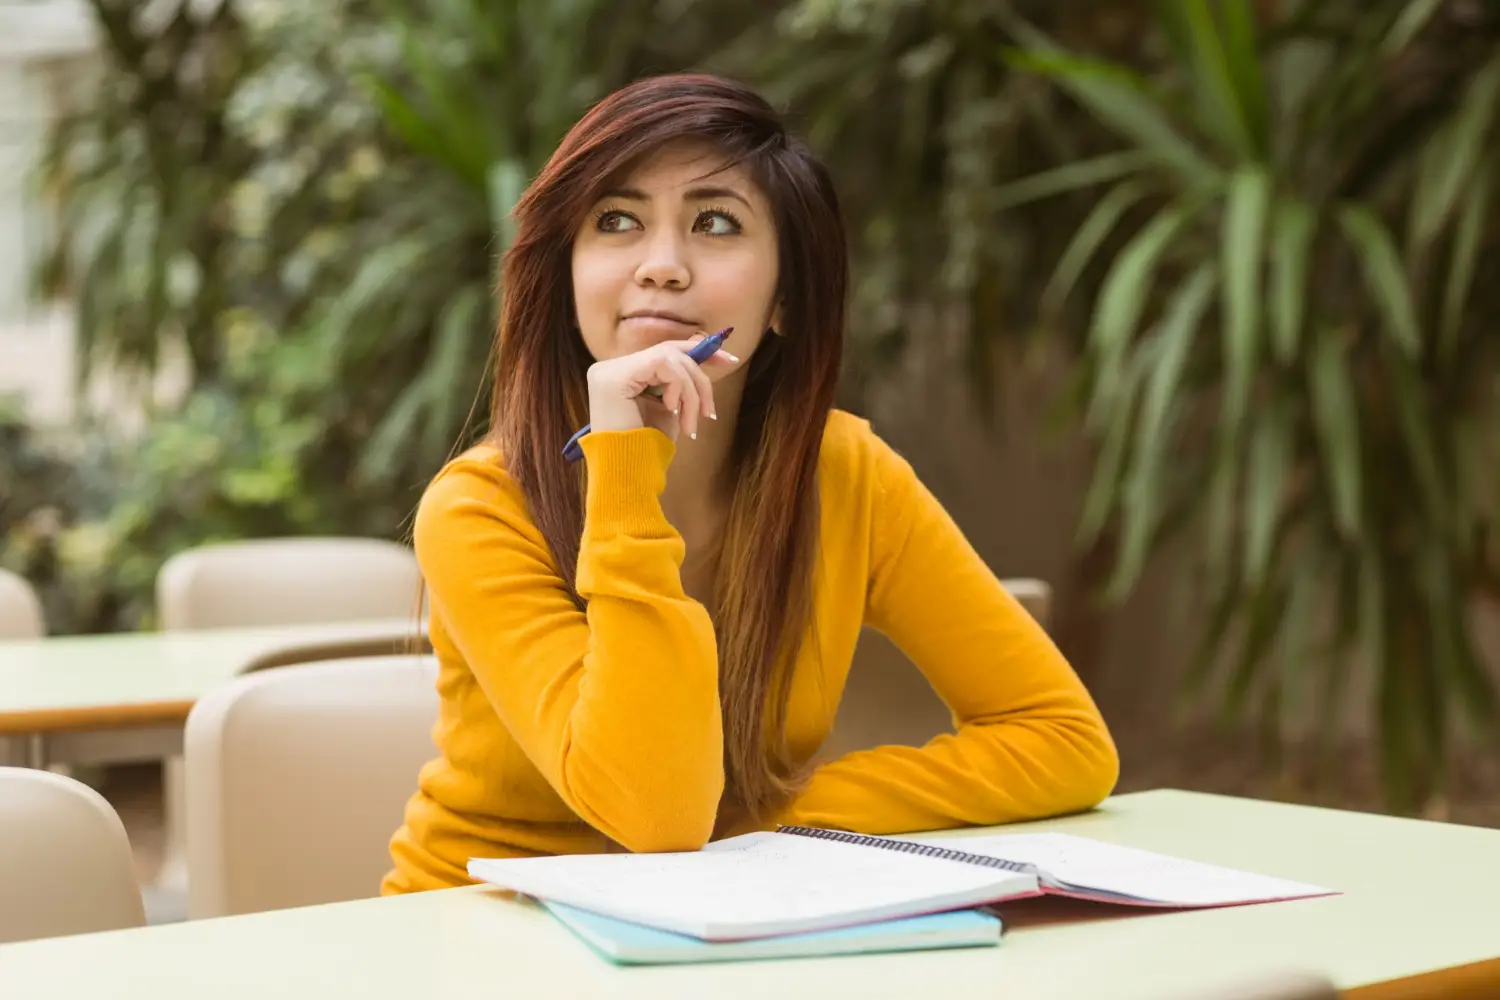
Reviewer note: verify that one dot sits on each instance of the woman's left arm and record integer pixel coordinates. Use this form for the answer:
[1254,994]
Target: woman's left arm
[1030,741]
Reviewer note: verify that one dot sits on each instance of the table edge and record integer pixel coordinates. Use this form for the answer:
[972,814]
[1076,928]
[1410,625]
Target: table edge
[1469,981]
[139,714]
[60,720]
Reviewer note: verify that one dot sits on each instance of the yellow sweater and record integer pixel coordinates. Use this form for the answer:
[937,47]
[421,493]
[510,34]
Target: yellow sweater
[562,730]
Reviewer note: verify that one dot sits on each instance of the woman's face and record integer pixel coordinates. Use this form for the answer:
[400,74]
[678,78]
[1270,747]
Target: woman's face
[679,247]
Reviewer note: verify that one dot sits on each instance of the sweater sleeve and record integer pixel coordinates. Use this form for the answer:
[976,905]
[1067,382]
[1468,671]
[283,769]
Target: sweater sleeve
[617,705]
[1030,741]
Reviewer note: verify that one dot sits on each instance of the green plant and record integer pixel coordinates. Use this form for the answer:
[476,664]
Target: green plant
[44,493]
[939,241]
[1288,353]
[316,220]
[141,174]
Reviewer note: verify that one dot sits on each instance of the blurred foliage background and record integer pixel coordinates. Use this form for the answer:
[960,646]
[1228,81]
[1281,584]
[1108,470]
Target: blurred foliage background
[1258,230]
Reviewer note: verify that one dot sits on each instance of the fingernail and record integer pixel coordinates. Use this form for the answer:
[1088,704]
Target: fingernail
[713,416]
[731,357]
[676,411]
[694,435]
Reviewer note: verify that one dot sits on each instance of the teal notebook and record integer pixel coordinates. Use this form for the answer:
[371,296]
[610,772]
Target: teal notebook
[625,943]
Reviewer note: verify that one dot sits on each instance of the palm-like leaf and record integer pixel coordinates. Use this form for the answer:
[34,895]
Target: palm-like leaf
[1321,401]
[143,177]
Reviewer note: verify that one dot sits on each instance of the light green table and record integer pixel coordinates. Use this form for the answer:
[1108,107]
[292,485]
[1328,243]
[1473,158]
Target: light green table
[1419,916]
[60,693]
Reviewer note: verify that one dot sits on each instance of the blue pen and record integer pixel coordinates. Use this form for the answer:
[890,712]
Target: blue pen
[701,352]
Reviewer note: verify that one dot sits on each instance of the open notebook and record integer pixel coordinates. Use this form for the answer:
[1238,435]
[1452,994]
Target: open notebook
[800,879]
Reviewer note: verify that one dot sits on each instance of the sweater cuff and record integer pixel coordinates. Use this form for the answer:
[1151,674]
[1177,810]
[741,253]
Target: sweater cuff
[627,472]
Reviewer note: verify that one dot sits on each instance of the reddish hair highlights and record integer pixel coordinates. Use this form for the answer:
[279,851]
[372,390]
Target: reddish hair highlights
[763,590]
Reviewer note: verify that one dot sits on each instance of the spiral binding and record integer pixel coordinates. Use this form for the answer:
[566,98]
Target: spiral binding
[909,847]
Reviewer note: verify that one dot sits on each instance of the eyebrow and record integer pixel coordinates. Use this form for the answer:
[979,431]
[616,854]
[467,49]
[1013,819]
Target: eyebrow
[692,194]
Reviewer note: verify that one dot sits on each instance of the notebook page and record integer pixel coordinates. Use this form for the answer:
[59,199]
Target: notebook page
[1084,864]
[756,884]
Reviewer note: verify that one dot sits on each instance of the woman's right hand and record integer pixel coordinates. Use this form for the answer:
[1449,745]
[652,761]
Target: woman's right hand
[618,399]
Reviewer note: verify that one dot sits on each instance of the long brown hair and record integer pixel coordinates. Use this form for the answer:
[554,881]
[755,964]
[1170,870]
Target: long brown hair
[764,588]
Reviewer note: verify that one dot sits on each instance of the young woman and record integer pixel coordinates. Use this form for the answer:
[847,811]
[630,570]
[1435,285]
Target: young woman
[643,649]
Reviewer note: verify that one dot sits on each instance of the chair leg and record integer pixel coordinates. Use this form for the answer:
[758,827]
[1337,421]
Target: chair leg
[36,751]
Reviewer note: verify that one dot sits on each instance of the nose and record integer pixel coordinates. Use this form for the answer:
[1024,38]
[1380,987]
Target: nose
[664,263]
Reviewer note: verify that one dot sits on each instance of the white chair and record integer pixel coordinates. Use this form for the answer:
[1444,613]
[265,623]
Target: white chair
[298,776]
[283,581]
[887,701]
[20,609]
[20,618]
[1033,595]
[272,581]
[65,863]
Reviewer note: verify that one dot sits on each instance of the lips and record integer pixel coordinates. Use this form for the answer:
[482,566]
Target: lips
[661,314]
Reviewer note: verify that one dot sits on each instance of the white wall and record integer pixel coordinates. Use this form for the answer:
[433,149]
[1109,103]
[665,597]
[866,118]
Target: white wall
[39,41]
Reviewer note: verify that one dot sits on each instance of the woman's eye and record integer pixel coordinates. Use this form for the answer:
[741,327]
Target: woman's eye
[716,224]
[614,222]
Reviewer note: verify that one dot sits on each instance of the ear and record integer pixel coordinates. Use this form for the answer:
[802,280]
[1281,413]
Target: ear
[775,324]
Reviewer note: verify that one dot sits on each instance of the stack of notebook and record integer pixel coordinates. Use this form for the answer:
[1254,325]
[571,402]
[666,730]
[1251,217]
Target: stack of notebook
[626,943]
[802,891]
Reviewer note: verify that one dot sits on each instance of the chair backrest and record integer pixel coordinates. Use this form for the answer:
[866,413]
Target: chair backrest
[65,862]
[282,581]
[1033,595]
[887,701]
[298,776]
[20,610]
